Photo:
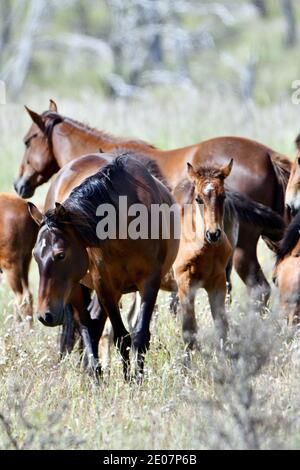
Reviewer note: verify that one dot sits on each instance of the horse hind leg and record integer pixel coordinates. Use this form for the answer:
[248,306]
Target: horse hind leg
[134,311]
[231,228]
[106,341]
[17,277]
[228,272]
[248,268]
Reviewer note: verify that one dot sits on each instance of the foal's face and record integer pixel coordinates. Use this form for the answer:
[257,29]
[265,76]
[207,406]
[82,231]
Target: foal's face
[210,192]
[292,195]
[38,164]
[62,261]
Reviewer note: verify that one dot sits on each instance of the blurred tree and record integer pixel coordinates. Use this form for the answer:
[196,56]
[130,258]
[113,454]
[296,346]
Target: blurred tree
[289,15]
[24,49]
[5,16]
[262,7]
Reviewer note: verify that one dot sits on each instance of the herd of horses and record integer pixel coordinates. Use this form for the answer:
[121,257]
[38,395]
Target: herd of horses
[238,190]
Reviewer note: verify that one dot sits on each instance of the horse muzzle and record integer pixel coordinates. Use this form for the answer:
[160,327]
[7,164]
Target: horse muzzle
[213,237]
[23,189]
[291,210]
[51,319]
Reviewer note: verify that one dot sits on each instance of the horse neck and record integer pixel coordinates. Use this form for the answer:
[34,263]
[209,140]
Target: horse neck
[70,142]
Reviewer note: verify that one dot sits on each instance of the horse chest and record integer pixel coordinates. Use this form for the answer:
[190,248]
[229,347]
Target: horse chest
[205,263]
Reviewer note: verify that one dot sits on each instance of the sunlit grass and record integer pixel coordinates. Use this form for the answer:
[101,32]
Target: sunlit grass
[53,404]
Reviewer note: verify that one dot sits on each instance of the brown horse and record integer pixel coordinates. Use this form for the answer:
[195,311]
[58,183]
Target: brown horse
[205,245]
[287,272]
[17,238]
[68,248]
[292,196]
[259,172]
[238,209]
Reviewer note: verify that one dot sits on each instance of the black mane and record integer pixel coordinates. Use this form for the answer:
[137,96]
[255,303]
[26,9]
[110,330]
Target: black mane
[81,205]
[254,213]
[290,238]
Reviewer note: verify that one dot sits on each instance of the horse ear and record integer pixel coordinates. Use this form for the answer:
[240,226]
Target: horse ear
[36,118]
[53,106]
[227,169]
[191,172]
[60,211]
[35,213]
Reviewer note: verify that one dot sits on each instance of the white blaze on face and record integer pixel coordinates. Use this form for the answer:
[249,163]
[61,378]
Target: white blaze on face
[43,246]
[208,188]
[293,200]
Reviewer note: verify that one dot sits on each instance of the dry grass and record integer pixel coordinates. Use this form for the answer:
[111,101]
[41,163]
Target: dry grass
[248,400]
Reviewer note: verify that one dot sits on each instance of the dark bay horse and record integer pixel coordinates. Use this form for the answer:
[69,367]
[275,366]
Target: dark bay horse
[18,234]
[292,196]
[259,172]
[287,272]
[68,248]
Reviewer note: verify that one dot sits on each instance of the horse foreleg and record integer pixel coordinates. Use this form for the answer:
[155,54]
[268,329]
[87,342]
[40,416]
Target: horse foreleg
[122,339]
[67,335]
[217,296]
[90,329]
[187,306]
[141,332]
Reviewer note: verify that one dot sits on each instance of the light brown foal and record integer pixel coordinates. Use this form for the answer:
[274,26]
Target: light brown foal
[204,248]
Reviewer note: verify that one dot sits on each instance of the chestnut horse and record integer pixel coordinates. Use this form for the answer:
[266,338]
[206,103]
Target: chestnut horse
[68,248]
[17,238]
[287,272]
[205,250]
[292,196]
[259,172]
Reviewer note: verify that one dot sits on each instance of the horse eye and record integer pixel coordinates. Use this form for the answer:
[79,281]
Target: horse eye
[59,256]
[199,200]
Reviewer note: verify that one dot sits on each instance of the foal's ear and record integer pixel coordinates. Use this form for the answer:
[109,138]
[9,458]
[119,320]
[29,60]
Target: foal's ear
[36,118]
[53,106]
[191,172]
[60,211]
[35,213]
[227,169]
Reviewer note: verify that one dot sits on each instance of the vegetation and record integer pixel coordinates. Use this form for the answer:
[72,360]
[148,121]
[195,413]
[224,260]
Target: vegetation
[238,73]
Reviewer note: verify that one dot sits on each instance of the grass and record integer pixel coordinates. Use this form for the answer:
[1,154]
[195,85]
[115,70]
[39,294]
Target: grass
[248,400]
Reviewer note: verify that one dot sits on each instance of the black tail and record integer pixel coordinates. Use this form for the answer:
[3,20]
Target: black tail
[269,222]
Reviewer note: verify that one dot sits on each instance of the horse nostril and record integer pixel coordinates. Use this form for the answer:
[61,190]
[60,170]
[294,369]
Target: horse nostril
[213,237]
[48,318]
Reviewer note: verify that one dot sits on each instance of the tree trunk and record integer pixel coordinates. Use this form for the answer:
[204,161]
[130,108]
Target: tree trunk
[5,14]
[289,15]
[24,50]
[262,7]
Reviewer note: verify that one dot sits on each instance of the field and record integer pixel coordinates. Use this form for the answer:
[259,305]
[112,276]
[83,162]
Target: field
[250,400]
